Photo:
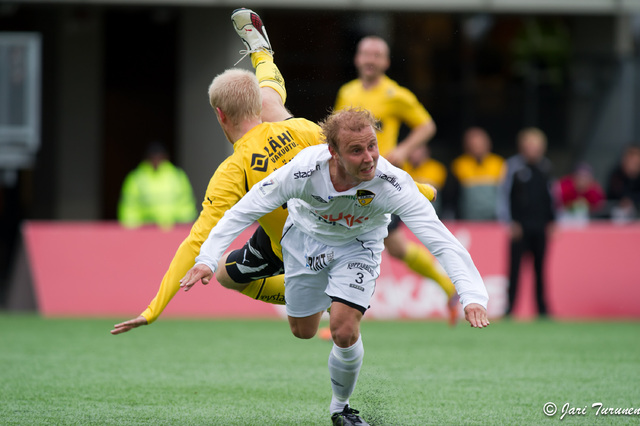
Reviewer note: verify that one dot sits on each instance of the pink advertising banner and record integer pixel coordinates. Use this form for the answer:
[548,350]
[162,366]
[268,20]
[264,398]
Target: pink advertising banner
[101,269]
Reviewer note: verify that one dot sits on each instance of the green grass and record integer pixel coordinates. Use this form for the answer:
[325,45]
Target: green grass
[246,372]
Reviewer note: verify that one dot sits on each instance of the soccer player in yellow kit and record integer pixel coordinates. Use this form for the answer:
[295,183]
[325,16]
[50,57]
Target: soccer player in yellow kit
[265,136]
[394,105]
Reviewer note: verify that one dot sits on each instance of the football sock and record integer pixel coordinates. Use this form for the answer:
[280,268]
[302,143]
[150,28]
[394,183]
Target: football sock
[268,73]
[269,290]
[421,261]
[344,366]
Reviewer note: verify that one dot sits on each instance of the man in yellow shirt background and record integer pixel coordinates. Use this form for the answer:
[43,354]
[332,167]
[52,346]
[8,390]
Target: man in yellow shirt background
[425,169]
[477,174]
[394,105]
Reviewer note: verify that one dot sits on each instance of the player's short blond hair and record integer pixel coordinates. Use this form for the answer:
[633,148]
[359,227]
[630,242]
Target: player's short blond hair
[349,119]
[237,93]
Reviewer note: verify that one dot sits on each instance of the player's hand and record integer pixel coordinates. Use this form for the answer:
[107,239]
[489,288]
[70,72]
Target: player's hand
[123,327]
[435,192]
[197,273]
[476,315]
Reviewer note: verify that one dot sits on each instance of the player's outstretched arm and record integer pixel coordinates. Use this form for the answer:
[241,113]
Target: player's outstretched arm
[476,315]
[123,327]
[199,272]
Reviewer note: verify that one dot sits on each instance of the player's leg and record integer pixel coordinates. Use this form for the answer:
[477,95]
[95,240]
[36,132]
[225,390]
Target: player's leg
[252,32]
[254,270]
[516,249]
[351,286]
[305,327]
[305,289]
[347,353]
[538,249]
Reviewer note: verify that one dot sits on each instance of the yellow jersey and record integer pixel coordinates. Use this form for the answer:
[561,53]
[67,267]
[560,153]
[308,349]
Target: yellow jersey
[392,104]
[259,152]
[470,172]
[431,171]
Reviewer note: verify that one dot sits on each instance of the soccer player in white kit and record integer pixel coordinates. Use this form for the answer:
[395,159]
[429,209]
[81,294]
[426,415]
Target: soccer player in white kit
[340,197]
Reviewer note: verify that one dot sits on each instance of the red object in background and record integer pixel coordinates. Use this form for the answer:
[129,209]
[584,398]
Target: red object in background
[102,269]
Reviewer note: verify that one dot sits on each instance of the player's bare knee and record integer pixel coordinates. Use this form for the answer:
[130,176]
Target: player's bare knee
[302,332]
[222,276]
[345,334]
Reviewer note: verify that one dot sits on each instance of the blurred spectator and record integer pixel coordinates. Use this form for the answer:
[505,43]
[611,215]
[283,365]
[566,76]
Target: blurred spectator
[156,192]
[476,177]
[424,169]
[526,205]
[623,189]
[578,195]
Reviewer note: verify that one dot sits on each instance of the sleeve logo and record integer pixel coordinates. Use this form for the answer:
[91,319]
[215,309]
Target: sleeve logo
[266,187]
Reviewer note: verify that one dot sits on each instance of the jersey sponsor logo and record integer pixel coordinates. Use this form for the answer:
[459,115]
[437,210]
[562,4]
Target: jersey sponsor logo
[301,174]
[364,197]
[317,263]
[361,266]
[348,218]
[267,187]
[280,145]
[357,287]
[392,180]
[319,198]
[259,162]
[273,299]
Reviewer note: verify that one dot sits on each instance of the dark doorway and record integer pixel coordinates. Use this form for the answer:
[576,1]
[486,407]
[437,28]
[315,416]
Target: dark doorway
[140,92]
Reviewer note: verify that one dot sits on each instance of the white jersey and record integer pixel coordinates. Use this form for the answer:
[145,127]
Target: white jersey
[337,218]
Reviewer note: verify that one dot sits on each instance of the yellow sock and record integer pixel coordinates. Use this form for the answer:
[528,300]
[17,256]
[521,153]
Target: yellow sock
[268,290]
[268,73]
[421,261]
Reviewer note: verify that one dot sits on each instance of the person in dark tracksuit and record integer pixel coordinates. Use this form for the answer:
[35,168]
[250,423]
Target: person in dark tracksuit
[526,205]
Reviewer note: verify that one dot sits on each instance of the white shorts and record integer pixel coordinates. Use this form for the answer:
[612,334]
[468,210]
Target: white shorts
[315,272]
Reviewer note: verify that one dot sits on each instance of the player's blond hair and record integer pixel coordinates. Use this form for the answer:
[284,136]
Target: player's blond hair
[237,93]
[349,119]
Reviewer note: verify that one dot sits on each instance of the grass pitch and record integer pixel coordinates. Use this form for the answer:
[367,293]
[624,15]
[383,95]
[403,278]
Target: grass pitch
[248,372]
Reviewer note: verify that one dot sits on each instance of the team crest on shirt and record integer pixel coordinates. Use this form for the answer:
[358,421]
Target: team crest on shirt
[364,197]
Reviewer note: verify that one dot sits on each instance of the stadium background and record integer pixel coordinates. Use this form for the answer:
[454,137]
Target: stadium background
[115,76]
